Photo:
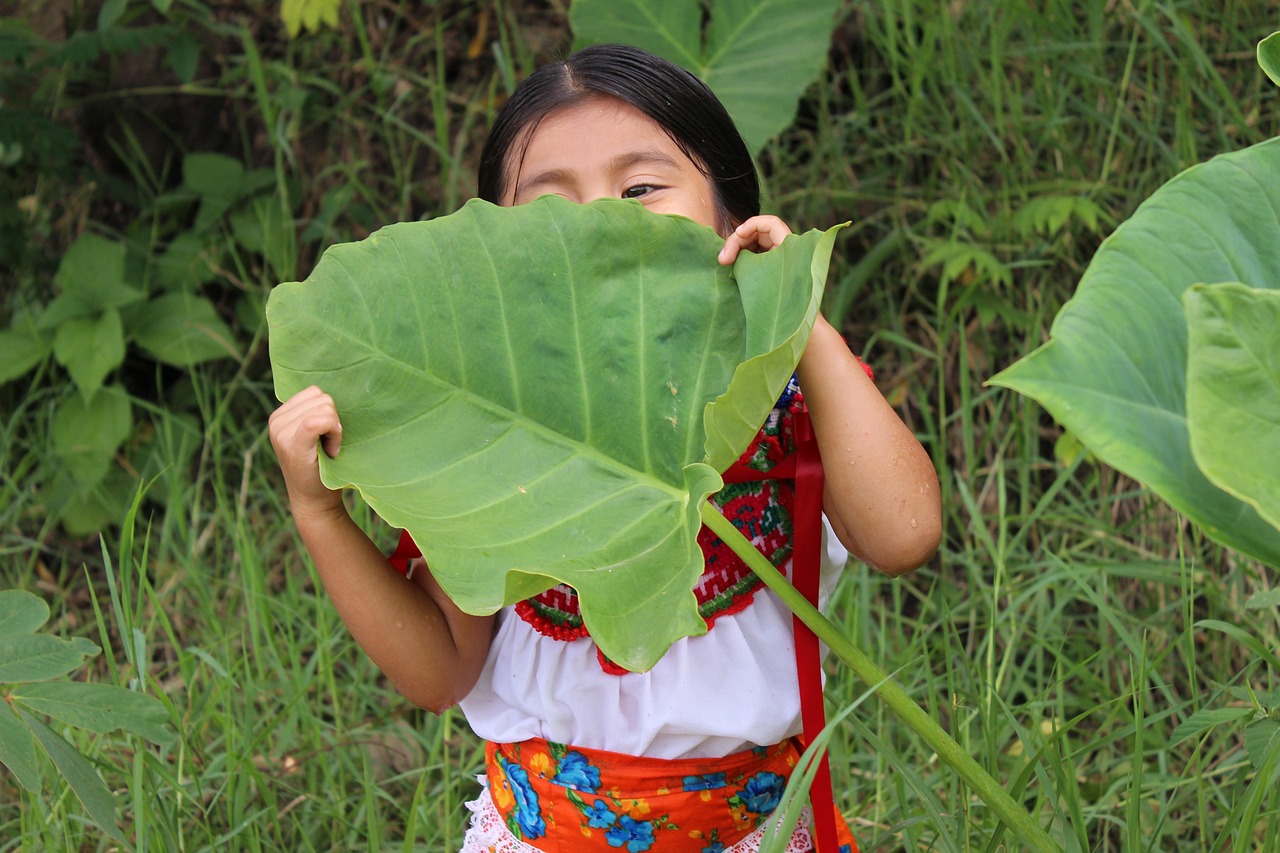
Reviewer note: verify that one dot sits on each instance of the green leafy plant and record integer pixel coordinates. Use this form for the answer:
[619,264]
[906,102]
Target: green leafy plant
[547,393]
[159,294]
[32,687]
[758,56]
[1165,366]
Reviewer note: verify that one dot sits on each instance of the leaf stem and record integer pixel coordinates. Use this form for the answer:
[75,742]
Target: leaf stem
[1032,836]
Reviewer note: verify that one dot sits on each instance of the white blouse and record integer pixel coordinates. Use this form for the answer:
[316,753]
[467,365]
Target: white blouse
[730,689]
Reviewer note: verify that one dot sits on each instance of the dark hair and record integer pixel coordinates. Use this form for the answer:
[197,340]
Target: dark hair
[677,101]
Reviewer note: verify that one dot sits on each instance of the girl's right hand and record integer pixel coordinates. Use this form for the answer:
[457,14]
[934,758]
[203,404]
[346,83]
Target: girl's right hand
[306,421]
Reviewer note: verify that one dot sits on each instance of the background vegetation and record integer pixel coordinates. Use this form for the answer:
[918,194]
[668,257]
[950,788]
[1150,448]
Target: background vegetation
[1083,642]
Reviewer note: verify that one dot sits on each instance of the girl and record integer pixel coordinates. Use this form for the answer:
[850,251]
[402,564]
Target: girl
[692,755]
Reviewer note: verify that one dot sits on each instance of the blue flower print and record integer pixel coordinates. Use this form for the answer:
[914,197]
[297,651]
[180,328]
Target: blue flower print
[574,771]
[706,782]
[763,792]
[526,812]
[714,847]
[635,835]
[599,816]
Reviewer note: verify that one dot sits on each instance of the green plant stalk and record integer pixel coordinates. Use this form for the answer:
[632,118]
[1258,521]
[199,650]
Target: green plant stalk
[1032,836]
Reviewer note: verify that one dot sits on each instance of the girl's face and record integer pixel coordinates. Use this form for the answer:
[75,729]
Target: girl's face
[604,148]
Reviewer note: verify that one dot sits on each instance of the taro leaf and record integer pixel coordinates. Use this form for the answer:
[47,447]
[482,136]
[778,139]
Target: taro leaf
[758,56]
[1114,371]
[524,388]
[1233,391]
[1269,57]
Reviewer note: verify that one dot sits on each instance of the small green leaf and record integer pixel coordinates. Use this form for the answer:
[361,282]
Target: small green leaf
[1233,391]
[36,657]
[1050,215]
[262,226]
[218,180]
[21,612]
[1264,600]
[212,175]
[1206,718]
[311,14]
[91,275]
[20,350]
[183,329]
[84,510]
[99,708]
[18,748]
[90,348]
[184,56]
[1269,57]
[184,264]
[110,13]
[87,435]
[85,782]
[1258,737]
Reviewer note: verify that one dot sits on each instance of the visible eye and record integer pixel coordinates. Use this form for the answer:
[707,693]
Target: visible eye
[639,190]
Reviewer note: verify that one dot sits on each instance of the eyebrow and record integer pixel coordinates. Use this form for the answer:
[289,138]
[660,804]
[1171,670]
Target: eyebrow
[625,160]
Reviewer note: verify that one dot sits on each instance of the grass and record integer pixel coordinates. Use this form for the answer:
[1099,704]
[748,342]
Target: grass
[1068,626]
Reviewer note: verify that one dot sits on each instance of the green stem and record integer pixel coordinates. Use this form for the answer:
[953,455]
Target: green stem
[950,752]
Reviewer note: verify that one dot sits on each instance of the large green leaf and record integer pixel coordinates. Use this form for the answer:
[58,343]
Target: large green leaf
[524,390]
[99,708]
[758,55]
[1233,391]
[1269,57]
[88,786]
[18,748]
[1115,369]
[35,657]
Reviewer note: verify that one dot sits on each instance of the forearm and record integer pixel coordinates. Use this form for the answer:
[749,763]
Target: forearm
[882,494]
[429,649]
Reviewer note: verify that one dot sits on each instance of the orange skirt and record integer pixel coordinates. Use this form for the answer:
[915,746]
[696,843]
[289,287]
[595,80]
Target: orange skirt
[565,799]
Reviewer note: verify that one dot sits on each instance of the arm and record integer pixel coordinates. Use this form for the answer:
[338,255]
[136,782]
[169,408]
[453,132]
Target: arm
[432,651]
[882,496]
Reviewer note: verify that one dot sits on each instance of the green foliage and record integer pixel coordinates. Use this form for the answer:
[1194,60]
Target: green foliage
[146,299]
[511,396]
[1115,371]
[312,14]
[758,56]
[33,690]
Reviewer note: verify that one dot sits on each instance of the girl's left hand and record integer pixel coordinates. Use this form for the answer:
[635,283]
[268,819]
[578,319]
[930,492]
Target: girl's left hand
[757,234]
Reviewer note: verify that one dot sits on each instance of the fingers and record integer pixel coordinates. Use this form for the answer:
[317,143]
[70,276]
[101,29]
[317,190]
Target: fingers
[303,419]
[757,234]
[305,422]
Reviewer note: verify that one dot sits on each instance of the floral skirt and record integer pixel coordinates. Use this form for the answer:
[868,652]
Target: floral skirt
[554,798]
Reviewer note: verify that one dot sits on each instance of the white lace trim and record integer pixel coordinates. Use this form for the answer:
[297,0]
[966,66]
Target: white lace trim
[488,833]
